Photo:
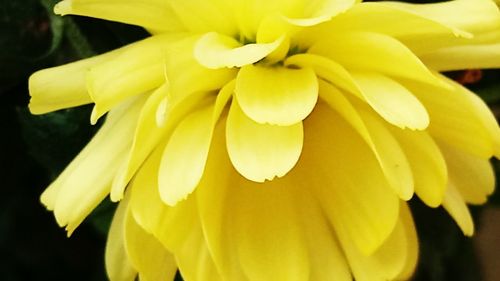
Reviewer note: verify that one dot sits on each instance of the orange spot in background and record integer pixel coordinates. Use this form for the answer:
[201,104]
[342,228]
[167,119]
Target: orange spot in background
[469,76]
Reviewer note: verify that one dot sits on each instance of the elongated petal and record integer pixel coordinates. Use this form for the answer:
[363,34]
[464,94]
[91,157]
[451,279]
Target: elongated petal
[276,95]
[140,68]
[465,123]
[383,145]
[458,210]
[463,57]
[328,70]
[358,200]
[215,50]
[261,151]
[259,244]
[388,262]
[412,246]
[185,155]
[369,51]
[154,14]
[428,166]
[86,181]
[182,68]
[63,86]
[473,177]
[392,101]
[146,254]
[316,12]
[118,265]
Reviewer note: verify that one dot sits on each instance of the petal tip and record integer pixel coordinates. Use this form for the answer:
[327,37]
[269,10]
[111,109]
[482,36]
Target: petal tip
[63,8]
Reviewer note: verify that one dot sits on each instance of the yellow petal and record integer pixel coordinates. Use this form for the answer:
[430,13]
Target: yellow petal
[214,50]
[261,151]
[139,69]
[204,16]
[118,265]
[427,163]
[383,145]
[146,254]
[456,207]
[465,123]
[348,181]
[87,179]
[374,52]
[219,194]
[463,57]
[388,262]
[473,177]
[392,101]
[276,95]
[316,12]
[328,70]
[154,14]
[185,155]
[180,57]
[152,214]
[63,86]
[412,247]
[481,14]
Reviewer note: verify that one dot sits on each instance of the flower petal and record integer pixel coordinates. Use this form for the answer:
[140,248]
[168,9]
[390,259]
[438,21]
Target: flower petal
[357,199]
[118,265]
[392,101]
[146,254]
[463,57]
[473,177]
[49,92]
[389,155]
[374,52]
[261,151]
[276,95]
[465,123]
[87,179]
[456,207]
[138,69]
[153,14]
[316,12]
[186,152]
[427,163]
[214,50]
[389,261]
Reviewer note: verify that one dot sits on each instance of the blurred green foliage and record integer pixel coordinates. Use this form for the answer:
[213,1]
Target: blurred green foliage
[34,150]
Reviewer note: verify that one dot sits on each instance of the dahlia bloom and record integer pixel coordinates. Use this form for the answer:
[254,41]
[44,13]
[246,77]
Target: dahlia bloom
[277,139]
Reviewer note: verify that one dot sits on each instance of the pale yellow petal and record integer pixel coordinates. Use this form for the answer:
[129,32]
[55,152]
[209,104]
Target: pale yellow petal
[63,86]
[276,95]
[152,214]
[87,179]
[374,52]
[348,181]
[326,69]
[465,123]
[154,14]
[214,50]
[396,104]
[458,210]
[383,145]
[386,263]
[463,57]
[118,265]
[412,246]
[472,176]
[151,260]
[182,69]
[137,70]
[186,152]
[427,163]
[318,11]
[259,151]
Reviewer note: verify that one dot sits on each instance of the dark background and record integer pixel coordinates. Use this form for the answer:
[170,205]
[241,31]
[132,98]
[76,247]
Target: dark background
[34,149]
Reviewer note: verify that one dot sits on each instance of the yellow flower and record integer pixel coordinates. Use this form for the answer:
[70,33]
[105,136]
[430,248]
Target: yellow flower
[277,139]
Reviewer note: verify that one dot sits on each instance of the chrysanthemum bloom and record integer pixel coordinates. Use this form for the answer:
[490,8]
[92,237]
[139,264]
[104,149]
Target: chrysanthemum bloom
[278,139]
